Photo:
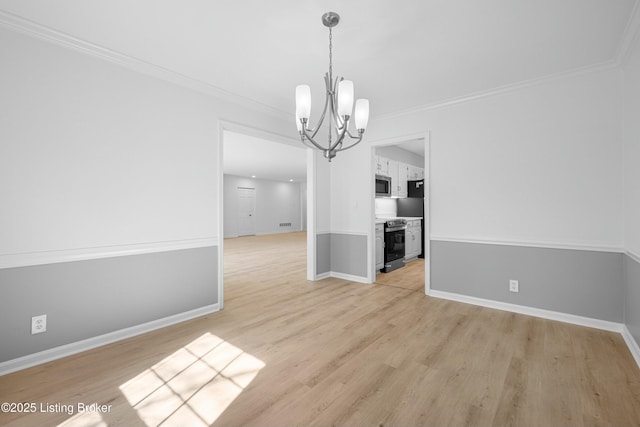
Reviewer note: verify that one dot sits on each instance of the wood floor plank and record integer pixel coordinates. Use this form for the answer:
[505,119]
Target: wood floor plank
[286,351]
[410,277]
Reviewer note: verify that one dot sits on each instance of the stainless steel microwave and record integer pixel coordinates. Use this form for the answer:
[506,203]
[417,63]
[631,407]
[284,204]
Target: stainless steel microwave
[383,186]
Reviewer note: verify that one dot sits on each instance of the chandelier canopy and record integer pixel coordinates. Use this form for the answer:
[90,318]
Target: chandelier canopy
[338,104]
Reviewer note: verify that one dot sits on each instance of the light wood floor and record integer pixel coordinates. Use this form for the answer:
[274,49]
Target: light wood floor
[410,277]
[287,352]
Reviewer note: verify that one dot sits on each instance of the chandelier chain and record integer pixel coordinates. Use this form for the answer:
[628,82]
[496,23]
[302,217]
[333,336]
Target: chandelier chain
[330,54]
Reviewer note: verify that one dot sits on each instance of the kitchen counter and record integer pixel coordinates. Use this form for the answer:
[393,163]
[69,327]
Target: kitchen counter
[381,220]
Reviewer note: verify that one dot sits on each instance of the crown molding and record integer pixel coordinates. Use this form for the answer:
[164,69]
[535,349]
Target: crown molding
[630,37]
[511,87]
[24,26]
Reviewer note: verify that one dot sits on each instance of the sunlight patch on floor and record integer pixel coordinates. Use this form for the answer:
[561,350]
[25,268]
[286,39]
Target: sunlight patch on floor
[192,386]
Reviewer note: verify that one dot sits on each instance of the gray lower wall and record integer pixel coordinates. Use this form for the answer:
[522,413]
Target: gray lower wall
[349,254]
[583,283]
[341,253]
[323,253]
[85,299]
[632,297]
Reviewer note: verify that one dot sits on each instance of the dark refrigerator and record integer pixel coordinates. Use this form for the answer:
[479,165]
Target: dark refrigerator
[413,205]
[415,188]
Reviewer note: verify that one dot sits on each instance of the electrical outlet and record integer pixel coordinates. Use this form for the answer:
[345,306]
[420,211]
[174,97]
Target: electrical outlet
[38,324]
[513,286]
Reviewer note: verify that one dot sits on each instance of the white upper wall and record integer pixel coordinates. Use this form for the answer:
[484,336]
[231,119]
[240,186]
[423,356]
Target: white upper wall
[631,91]
[351,187]
[323,194]
[93,154]
[541,164]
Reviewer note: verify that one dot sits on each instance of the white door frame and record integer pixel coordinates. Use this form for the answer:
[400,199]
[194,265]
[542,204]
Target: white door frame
[427,205]
[224,125]
[311,215]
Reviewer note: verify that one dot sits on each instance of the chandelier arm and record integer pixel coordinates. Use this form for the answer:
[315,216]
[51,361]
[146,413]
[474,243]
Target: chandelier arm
[310,138]
[326,104]
[354,137]
[350,146]
[340,137]
[318,126]
[306,144]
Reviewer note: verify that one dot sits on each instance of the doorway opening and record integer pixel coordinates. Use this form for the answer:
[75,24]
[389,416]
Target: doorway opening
[263,211]
[401,213]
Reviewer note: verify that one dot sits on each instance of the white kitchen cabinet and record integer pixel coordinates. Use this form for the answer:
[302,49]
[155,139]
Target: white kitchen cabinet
[418,238]
[415,173]
[409,248]
[403,177]
[413,239]
[393,173]
[379,246]
[399,173]
[382,166]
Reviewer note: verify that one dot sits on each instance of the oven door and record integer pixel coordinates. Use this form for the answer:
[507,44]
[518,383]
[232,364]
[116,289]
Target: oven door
[394,243]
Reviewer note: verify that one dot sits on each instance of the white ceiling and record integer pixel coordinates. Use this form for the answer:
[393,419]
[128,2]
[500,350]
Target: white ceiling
[249,156]
[415,146]
[401,55]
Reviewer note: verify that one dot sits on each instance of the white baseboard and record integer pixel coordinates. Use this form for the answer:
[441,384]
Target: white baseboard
[634,348]
[548,314]
[108,338]
[350,277]
[634,256]
[531,311]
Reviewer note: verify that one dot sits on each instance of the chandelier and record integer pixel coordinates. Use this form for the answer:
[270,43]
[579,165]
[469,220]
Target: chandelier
[338,101]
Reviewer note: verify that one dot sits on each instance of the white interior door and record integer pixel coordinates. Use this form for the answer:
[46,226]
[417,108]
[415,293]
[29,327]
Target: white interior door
[246,211]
